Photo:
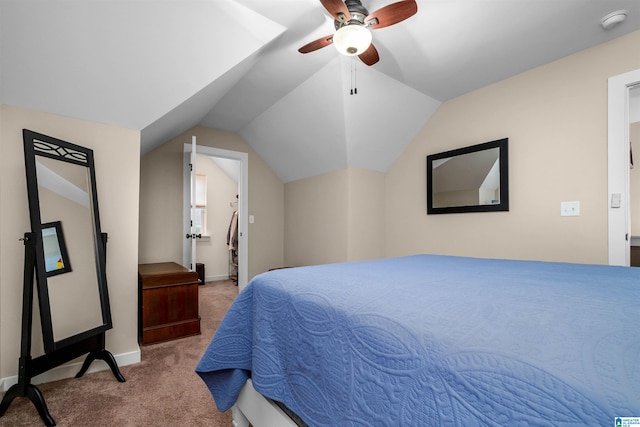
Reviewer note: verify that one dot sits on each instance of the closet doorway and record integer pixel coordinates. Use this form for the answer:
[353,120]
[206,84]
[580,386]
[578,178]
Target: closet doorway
[228,195]
[620,108]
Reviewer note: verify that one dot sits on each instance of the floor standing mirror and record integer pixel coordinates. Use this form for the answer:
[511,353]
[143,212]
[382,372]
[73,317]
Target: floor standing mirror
[66,252]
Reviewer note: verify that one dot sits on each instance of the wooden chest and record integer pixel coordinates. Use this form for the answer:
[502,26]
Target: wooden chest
[168,295]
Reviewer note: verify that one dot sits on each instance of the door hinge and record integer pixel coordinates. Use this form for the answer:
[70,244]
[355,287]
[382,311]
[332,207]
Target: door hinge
[626,237]
[190,167]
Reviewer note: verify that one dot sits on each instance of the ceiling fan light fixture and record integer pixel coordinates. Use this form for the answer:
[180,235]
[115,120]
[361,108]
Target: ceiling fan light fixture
[352,39]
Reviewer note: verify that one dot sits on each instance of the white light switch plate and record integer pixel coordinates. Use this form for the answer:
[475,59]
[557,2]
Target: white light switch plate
[615,200]
[569,208]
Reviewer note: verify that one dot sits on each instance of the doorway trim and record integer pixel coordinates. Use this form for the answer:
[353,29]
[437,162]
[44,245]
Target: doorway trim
[243,204]
[618,166]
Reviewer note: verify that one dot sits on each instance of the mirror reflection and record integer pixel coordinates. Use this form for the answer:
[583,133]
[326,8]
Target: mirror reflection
[65,198]
[470,179]
[467,180]
[56,259]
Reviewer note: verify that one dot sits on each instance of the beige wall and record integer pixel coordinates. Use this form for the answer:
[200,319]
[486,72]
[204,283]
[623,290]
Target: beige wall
[161,174]
[555,117]
[334,217]
[316,219]
[117,154]
[365,215]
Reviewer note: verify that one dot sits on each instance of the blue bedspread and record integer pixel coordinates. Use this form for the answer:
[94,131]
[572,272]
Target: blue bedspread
[436,341]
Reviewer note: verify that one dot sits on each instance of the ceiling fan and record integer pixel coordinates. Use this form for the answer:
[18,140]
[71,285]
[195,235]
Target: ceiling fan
[353,23]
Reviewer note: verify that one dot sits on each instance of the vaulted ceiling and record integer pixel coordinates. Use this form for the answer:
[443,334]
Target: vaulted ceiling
[164,66]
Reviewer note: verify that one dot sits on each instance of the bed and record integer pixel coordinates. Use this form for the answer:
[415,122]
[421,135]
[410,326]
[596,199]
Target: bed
[430,340]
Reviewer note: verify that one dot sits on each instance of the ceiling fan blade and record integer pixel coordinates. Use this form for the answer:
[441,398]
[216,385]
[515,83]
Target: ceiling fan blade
[391,14]
[335,8]
[370,56]
[316,44]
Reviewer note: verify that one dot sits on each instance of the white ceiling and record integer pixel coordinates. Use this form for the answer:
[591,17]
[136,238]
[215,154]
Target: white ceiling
[164,66]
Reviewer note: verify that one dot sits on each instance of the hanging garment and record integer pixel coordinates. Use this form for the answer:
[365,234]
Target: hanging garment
[232,234]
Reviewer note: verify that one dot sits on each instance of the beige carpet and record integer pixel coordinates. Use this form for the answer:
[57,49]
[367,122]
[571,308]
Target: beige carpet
[162,390]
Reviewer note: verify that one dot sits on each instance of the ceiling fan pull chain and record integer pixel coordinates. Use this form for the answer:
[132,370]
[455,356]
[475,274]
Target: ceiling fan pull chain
[351,75]
[354,77]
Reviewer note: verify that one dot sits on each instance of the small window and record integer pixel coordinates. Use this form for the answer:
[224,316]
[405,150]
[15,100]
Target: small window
[200,213]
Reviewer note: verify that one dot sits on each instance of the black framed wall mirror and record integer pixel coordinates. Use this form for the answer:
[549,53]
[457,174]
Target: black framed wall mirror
[469,179]
[63,206]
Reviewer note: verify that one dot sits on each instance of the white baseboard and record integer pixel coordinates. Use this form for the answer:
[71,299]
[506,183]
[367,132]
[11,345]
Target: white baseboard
[216,278]
[71,369]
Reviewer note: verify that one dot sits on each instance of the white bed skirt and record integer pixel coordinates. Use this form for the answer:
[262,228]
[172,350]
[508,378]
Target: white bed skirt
[254,408]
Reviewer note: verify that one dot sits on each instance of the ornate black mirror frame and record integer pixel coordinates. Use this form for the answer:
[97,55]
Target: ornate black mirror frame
[45,146]
[80,341]
[499,203]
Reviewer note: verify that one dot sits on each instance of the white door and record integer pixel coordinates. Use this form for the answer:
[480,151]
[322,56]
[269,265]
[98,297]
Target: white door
[189,226]
[618,159]
[243,206]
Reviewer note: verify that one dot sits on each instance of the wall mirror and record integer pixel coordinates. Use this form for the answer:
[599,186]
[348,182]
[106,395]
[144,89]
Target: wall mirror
[63,207]
[469,179]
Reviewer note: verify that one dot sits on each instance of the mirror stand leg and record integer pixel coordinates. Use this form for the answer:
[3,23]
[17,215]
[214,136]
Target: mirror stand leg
[102,355]
[11,394]
[34,395]
[111,361]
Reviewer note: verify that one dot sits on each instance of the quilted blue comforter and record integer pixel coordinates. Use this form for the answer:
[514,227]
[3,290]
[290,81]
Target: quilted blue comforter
[431,340]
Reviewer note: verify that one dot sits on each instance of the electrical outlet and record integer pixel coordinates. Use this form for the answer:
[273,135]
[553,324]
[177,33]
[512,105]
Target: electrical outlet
[569,208]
